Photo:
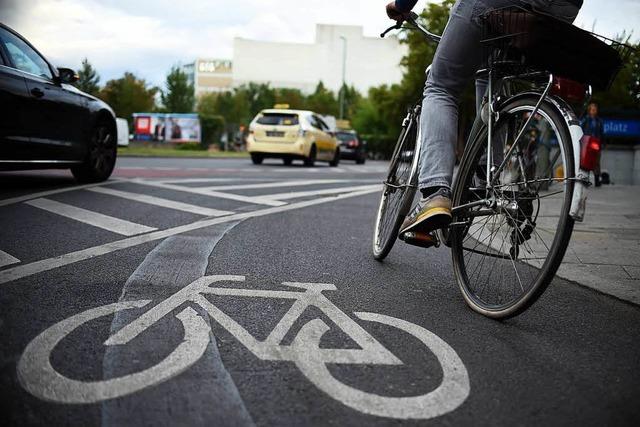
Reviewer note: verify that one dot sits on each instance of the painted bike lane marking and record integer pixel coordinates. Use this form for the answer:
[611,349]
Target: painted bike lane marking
[7,259]
[42,380]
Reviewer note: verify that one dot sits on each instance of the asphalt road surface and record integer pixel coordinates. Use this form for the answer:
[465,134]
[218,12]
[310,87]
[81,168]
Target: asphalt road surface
[215,292]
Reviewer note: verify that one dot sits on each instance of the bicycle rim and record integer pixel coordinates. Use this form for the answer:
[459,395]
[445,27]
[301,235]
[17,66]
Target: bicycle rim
[504,261]
[397,194]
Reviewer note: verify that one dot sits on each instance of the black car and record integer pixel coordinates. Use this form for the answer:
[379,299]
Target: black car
[352,147]
[45,122]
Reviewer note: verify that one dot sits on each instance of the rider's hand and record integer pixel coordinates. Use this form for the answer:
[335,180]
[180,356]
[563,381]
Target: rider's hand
[394,13]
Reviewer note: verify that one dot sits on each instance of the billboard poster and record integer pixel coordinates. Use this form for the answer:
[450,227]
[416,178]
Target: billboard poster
[166,128]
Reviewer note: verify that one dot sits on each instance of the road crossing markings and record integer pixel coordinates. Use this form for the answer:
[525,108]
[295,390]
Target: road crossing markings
[274,184]
[322,192]
[157,201]
[109,223]
[36,267]
[6,259]
[20,199]
[259,200]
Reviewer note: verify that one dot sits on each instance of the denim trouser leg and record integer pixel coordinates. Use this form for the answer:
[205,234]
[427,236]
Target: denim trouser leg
[454,65]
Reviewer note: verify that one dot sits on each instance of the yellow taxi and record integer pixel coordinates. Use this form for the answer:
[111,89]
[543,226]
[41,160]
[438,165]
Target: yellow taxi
[292,135]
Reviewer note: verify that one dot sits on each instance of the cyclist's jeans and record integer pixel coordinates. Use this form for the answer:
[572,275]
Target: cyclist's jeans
[456,60]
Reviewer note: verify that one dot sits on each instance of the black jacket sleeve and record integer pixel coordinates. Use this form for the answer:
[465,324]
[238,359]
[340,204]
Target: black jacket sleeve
[405,5]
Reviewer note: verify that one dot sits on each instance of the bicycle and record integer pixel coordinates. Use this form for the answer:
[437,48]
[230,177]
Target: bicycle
[41,379]
[514,199]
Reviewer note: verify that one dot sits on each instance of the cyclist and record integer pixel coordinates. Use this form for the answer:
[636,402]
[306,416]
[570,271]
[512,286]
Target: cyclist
[456,60]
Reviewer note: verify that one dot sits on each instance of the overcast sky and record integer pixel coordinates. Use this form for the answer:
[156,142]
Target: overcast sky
[149,36]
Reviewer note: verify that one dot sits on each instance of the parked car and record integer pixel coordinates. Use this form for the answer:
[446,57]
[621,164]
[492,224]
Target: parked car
[45,122]
[352,147]
[122,126]
[292,135]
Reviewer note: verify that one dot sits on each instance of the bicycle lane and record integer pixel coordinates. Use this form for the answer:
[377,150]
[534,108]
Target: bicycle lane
[173,264]
[572,358]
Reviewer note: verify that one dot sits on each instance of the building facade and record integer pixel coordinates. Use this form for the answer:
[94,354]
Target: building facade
[370,61]
[210,75]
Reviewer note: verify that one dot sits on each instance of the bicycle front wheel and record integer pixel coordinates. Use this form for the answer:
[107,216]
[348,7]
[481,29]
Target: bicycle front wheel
[509,239]
[397,194]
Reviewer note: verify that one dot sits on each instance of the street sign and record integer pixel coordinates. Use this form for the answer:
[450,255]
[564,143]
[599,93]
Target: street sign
[621,128]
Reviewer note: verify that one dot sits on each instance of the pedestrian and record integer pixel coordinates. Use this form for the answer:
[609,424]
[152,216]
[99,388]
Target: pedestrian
[593,126]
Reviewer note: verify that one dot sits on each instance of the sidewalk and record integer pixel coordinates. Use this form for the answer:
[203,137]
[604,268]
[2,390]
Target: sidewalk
[604,253]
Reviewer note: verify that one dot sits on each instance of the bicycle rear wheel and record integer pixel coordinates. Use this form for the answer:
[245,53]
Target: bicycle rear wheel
[507,250]
[398,191]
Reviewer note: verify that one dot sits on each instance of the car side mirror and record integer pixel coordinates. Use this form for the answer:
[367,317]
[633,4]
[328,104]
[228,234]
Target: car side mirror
[67,75]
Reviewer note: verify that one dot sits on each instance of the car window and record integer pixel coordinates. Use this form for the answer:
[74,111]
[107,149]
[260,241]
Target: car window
[24,58]
[323,125]
[278,119]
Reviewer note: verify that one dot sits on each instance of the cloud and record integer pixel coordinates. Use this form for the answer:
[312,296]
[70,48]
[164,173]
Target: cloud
[149,36]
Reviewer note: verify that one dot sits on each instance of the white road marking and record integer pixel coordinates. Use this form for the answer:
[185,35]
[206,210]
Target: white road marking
[157,201]
[109,223]
[324,191]
[20,199]
[196,180]
[36,267]
[274,184]
[201,192]
[37,375]
[6,259]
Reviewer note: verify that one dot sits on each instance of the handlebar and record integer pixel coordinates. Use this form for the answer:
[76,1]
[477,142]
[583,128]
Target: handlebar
[412,19]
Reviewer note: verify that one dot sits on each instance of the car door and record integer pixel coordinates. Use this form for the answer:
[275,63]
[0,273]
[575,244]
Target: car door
[327,146]
[14,137]
[52,112]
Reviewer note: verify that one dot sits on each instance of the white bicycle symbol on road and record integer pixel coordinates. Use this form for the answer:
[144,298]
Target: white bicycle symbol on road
[41,379]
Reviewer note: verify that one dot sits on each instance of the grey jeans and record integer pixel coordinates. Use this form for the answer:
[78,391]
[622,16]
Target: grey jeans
[456,60]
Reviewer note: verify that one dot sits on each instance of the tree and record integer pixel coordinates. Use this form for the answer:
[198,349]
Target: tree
[212,122]
[292,97]
[89,81]
[178,95]
[128,95]
[323,101]
[624,93]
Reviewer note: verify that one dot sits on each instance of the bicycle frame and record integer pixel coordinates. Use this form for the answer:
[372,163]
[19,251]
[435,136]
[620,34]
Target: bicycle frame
[581,178]
[371,350]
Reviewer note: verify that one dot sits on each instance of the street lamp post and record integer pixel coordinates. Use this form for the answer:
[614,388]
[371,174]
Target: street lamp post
[344,77]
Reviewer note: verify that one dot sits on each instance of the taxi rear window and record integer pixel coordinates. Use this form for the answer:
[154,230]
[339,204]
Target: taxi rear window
[273,119]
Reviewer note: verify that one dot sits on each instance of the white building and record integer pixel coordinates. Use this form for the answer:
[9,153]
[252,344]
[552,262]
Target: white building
[371,61]
[210,75]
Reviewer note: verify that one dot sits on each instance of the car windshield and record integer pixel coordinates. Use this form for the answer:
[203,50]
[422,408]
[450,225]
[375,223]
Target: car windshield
[346,137]
[278,119]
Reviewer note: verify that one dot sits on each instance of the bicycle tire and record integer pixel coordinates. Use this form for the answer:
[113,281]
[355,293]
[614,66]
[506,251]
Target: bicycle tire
[383,241]
[564,228]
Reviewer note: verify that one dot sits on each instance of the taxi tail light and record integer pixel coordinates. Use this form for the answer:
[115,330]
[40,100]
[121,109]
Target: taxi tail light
[569,90]
[589,152]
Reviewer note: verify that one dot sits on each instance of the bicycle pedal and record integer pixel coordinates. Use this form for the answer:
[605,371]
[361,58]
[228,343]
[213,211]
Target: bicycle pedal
[423,240]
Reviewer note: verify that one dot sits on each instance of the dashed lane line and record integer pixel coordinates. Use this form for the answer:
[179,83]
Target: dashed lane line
[109,223]
[6,259]
[36,267]
[157,201]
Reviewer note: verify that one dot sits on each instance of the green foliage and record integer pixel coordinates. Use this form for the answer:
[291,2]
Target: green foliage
[89,81]
[178,95]
[625,90]
[191,146]
[323,101]
[128,95]
[212,124]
